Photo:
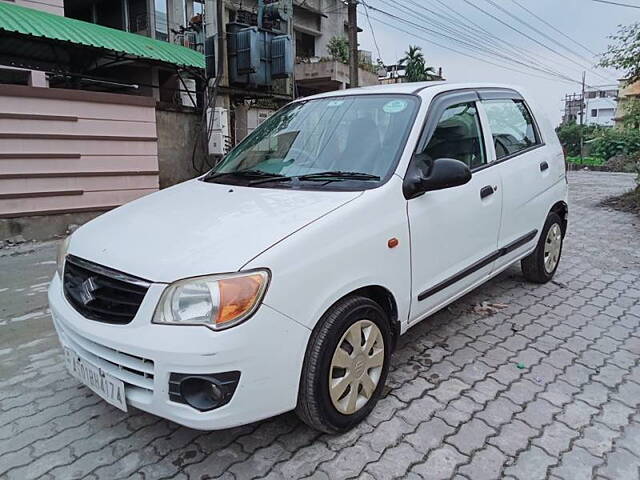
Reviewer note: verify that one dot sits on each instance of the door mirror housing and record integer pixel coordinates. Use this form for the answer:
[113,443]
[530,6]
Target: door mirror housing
[442,173]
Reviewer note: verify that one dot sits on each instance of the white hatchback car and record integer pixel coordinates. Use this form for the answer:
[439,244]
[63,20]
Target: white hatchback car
[283,278]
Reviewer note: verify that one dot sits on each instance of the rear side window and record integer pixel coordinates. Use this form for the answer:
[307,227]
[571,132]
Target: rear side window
[512,126]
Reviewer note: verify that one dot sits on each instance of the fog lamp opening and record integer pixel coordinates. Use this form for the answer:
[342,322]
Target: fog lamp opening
[203,392]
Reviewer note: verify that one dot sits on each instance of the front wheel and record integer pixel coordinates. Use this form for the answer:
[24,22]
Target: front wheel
[542,263]
[345,366]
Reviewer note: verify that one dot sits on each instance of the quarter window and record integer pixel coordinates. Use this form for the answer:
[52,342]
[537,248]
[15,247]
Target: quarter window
[458,135]
[512,126]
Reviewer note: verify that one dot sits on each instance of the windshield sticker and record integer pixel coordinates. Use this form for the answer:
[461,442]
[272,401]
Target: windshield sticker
[335,103]
[395,106]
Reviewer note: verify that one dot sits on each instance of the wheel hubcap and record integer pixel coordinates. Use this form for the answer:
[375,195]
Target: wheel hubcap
[356,367]
[552,246]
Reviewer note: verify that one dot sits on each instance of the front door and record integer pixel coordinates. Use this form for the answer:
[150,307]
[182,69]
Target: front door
[454,231]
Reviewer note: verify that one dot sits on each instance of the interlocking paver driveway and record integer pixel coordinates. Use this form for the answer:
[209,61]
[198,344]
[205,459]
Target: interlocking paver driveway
[458,404]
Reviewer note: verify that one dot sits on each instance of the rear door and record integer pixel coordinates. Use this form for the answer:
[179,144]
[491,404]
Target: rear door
[454,231]
[524,168]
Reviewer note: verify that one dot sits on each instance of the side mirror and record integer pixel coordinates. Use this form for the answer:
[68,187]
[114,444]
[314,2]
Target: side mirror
[442,173]
[446,173]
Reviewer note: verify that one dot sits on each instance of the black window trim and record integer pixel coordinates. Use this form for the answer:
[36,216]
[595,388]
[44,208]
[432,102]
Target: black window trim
[437,107]
[454,101]
[448,98]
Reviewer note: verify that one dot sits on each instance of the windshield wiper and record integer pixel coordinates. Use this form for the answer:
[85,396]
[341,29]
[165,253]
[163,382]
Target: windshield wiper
[243,173]
[338,175]
[275,178]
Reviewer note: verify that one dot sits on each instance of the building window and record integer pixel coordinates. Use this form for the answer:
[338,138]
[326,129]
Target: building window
[138,17]
[591,94]
[594,112]
[305,45]
[198,8]
[162,25]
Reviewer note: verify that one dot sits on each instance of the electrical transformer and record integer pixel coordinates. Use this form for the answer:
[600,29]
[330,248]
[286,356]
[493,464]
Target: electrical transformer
[258,56]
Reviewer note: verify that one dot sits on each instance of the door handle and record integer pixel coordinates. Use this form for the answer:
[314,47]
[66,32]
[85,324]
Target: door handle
[544,166]
[486,191]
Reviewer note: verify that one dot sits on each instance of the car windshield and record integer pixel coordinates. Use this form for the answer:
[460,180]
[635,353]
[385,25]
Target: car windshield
[347,142]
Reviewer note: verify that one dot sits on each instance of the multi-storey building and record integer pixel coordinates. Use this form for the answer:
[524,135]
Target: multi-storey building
[598,106]
[627,93]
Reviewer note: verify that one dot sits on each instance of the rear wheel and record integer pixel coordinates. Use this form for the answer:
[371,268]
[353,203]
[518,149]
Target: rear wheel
[346,365]
[542,263]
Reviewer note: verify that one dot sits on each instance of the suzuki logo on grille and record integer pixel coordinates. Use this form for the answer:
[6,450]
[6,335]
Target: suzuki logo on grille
[86,290]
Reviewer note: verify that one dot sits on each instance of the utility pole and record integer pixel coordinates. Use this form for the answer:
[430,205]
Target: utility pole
[582,106]
[353,42]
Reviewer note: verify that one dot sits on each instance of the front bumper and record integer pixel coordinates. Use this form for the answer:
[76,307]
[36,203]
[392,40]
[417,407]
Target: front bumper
[268,350]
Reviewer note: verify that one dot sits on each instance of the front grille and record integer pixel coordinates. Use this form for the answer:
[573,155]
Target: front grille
[102,294]
[136,372]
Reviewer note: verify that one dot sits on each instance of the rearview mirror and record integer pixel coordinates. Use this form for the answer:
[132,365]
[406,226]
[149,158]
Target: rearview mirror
[443,173]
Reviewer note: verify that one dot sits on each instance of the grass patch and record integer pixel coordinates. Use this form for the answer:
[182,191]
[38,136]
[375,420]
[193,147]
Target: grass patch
[587,161]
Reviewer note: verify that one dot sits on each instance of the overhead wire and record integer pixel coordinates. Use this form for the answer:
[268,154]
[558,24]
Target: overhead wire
[373,34]
[459,18]
[555,29]
[618,4]
[543,34]
[471,41]
[502,22]
[469,45]
[466,54]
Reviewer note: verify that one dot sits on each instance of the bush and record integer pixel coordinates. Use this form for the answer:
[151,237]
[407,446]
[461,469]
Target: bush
[613,142]
[569,135]
[623,163]
[338,48]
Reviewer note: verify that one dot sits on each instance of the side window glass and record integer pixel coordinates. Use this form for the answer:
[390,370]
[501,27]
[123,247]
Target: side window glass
[458,135]
[511,126]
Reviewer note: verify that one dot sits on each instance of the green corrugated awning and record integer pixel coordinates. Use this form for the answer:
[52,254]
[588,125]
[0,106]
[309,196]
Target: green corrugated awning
[35,24]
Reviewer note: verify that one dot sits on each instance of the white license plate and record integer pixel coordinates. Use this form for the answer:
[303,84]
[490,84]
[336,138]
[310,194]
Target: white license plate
[108,387]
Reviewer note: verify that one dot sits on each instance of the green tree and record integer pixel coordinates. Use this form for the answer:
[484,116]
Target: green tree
[414,64]
[631,118]
[624,52]
[338,48]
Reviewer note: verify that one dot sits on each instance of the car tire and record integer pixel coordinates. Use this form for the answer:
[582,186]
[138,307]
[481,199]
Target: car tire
[320,403]
[542,263]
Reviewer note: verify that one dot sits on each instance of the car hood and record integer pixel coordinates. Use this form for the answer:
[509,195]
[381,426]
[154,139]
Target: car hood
[198,228]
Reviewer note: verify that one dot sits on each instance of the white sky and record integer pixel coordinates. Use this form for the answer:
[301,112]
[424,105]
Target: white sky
[585,21]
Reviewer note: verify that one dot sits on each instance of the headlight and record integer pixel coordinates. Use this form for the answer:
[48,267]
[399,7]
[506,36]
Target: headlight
[63,246]
[216,301]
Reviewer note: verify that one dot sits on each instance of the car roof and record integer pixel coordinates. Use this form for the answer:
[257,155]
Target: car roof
[415,88]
